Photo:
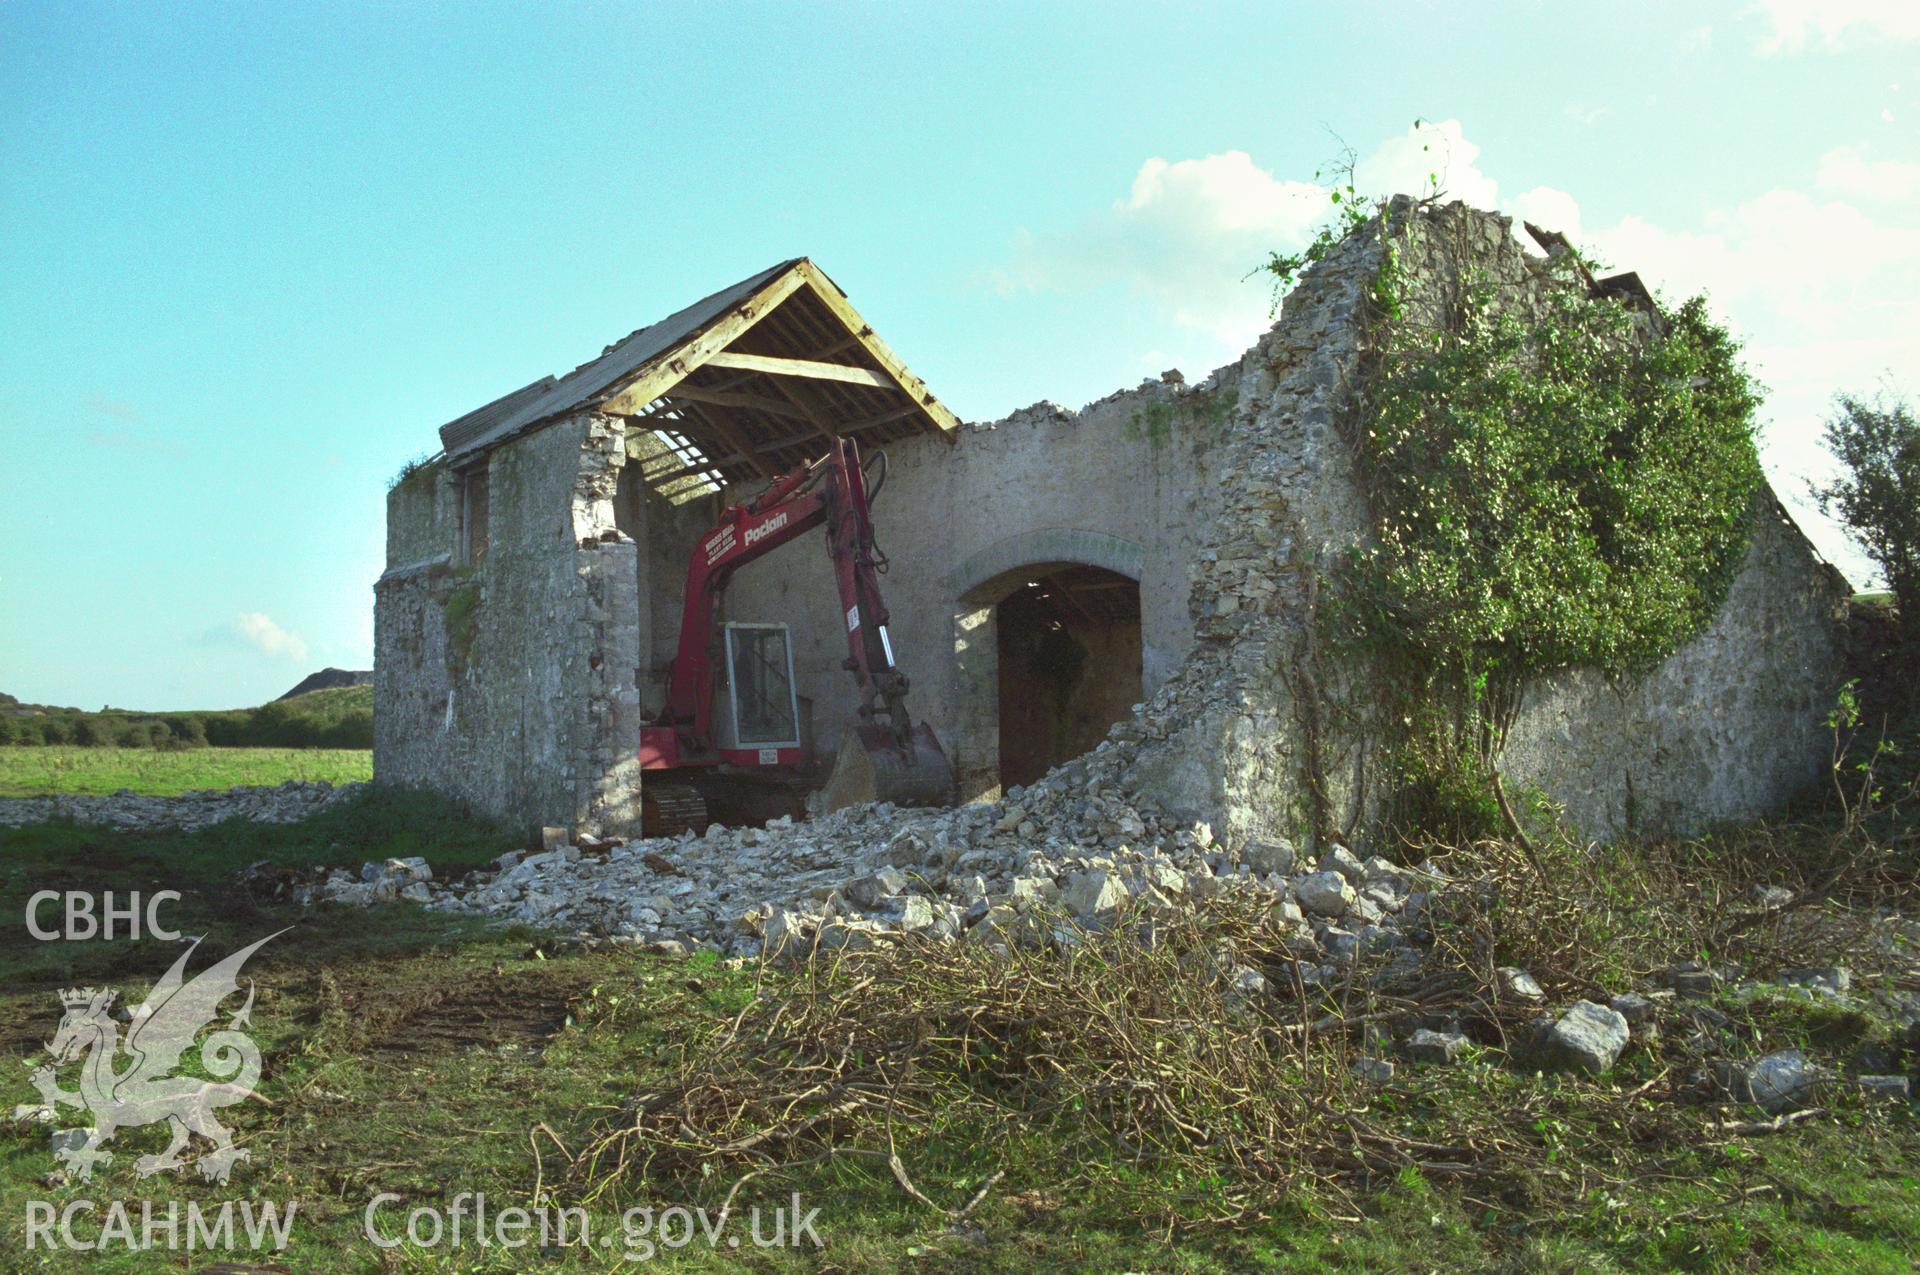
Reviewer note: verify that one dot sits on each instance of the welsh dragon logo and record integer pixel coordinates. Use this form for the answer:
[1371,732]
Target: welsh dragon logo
[143,1092]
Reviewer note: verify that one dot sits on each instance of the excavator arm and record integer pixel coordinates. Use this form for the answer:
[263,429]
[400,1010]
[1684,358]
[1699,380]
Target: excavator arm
[906,761]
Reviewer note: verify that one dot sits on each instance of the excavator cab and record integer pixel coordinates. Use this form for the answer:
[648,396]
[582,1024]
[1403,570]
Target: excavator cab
[761,699]
[745,716]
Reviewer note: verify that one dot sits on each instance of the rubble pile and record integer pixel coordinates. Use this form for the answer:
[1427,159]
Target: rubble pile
[1071,853]
[286,803]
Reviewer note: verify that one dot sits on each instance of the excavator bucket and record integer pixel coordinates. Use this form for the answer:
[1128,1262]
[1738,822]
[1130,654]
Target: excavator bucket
[873,767]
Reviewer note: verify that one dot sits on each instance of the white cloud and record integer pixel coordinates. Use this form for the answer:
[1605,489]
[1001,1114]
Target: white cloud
[1187,232]
[1847,171]
[1794,24]
[1821,277]
[1548,209]
[1425,159]
[258,630]
[1183,238]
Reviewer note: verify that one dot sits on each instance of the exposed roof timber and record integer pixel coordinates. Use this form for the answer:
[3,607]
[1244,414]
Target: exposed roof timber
[710,322]
[894,374]
[736,440]
[739,375]
[800,397]
[828,291]
[770,446]
[732,398]
[809,368]
[655,379]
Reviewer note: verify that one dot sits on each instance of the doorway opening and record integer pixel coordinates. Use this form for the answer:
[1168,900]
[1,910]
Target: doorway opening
[1068,647]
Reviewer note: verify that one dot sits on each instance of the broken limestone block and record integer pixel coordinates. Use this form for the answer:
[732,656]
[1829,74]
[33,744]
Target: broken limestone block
[1028,892]
[875,890]
[916,914]
[785,933]
[32,1113]
[1385,872]
[73,1140]
[1691,978]
[1271,856]
[1588,1037]
[1633,1007]
[1519,984]
[1163,877]
[1364,911]
[1885,1088]
[1772,897]
[417,892]
[1778,1082]
[1246,981]
[1375,1071]
[1832,980]
[1324,893]
[1094,895]
[1429,1046]
[1345,862]
[1341,945]
[838,935]
[556,838]
[1286,915]
[908,849]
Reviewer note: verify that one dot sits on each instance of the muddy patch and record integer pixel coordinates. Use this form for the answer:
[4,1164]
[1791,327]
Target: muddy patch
[474,1010]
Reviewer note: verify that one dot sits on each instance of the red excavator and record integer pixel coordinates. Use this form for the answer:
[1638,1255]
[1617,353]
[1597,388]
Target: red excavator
[732,715]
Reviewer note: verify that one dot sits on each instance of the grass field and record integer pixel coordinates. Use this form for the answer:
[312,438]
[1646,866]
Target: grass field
[424,1056]
[41,771]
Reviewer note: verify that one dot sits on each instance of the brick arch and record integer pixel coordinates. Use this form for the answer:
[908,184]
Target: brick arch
[982,578]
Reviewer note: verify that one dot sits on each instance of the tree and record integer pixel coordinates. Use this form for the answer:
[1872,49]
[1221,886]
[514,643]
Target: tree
[188,731]
[97,732]
[55,731]
[1877,495]
[9,731]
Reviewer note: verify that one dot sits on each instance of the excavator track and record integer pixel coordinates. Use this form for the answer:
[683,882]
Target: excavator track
[667,810]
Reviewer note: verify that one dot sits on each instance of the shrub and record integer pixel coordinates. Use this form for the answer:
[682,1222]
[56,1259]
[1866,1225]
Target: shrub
[54,731]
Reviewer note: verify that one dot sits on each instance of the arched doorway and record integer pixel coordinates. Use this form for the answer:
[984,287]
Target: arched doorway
[1068,653]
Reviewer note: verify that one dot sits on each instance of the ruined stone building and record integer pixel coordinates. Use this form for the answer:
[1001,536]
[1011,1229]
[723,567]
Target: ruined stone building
[1130,571]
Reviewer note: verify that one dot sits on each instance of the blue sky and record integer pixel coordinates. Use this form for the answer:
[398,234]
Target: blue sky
[252,255]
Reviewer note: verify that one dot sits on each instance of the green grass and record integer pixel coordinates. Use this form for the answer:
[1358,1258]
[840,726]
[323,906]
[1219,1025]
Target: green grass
[423,1055]
[40,771]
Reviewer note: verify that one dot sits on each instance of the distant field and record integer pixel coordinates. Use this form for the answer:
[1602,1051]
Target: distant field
[37,772]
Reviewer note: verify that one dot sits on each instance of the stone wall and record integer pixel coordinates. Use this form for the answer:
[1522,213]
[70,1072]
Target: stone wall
[1724,729]
[1730,725]
[538,721]
[1222,500]
[1122,484]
